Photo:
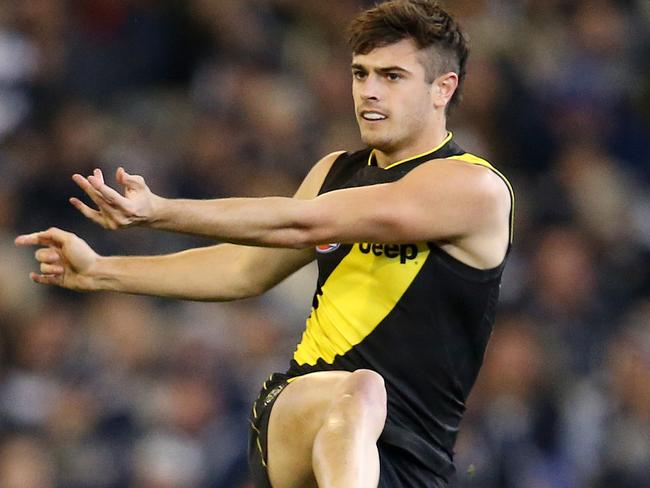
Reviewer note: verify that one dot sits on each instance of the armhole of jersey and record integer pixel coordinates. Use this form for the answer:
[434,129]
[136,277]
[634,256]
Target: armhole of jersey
[472,159]
[332,173]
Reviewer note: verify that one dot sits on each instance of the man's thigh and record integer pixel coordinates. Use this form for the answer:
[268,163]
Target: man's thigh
[296,417]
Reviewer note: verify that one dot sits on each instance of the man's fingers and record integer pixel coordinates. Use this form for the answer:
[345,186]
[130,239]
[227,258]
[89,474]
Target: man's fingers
[110,195]
[88,212]
[51,269]
[90,190]
[97,173]
[51,237]
[126,179]
[57,235]
[47,279]
[121,175]
[47,255]
[27,239]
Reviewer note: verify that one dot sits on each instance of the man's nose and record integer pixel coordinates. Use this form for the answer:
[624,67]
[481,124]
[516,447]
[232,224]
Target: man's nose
[370,89]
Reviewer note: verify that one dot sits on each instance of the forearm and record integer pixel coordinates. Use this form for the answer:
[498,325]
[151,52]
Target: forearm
[351,215]
[374,213]
[205,274]
[271,221]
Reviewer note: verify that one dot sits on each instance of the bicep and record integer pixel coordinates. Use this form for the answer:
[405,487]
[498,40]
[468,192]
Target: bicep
[438,201]
[451,201]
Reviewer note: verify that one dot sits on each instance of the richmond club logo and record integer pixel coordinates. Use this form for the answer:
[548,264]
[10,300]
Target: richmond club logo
[327,248]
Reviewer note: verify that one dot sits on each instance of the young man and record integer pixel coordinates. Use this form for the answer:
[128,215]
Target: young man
[410,235]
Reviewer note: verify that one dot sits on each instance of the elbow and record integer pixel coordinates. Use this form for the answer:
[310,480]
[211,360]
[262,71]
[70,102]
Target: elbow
[315,232]
[321,222]
[251,291]
[310,227]
[304,238]
[237,291]
[322,226]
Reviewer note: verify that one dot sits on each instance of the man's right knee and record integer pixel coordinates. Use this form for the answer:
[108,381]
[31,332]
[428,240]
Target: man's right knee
[360,398]
[295,420]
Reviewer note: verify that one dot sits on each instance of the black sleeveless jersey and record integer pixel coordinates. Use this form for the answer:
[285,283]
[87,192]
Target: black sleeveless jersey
[409,311]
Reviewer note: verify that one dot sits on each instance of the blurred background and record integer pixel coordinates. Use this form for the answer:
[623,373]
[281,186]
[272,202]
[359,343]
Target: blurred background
[217,98]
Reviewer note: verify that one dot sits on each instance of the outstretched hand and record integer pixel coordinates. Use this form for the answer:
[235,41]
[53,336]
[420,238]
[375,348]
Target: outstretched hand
[65,260]
[115,211]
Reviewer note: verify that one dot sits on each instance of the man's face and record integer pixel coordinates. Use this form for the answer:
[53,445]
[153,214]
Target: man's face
[392,98]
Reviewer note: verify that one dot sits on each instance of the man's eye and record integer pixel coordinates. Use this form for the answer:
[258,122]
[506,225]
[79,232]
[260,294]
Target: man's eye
[393,76]
[359,75]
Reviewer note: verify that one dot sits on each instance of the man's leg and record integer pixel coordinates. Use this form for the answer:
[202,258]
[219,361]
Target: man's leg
[345,447]
[324,426]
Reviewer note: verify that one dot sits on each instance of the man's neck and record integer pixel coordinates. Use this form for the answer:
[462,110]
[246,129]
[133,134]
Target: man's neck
[385,159]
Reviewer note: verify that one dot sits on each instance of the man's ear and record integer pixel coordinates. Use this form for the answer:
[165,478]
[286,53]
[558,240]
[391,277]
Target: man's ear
[444,87]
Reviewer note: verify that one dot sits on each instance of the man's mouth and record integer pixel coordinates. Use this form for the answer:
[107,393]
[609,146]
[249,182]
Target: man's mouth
[372,115]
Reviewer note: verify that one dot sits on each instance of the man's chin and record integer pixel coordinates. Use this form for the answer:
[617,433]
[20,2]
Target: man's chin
[376,141]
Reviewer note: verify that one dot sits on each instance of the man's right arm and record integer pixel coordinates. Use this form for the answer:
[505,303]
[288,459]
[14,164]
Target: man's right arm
[216,273]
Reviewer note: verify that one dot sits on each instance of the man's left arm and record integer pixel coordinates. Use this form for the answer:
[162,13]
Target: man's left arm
[439,200]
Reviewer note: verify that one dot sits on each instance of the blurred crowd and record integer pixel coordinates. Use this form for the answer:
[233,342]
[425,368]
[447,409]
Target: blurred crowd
[218,98]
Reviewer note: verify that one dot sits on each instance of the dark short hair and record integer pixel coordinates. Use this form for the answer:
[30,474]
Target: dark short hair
[435,31]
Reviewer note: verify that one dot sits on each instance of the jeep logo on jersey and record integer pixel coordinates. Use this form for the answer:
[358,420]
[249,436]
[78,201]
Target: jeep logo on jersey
[404,252]
[325,248]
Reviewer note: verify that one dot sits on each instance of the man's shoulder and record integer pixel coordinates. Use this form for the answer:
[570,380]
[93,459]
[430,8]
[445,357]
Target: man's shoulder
[475,160]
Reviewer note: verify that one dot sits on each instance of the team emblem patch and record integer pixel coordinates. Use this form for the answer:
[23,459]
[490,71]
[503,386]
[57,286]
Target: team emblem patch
[327,248]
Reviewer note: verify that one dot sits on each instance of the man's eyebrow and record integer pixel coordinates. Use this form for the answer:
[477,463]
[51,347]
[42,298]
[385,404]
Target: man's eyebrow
[381,70]
[392,68]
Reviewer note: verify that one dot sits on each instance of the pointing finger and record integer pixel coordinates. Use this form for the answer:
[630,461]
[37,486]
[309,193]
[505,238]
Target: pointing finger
[26,240]
[35,238]
[53,236]
[58,235]
[97,173]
